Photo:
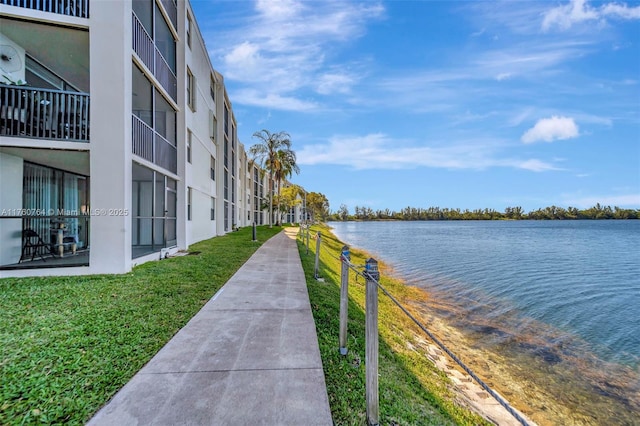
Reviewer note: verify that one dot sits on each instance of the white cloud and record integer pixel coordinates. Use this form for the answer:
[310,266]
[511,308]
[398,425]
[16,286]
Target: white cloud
[550,129]
[278,10]
[273,100]
[536,166]
[620,11]
[378,151]
[578,11]
[285,47]
[334,83]
[517,119]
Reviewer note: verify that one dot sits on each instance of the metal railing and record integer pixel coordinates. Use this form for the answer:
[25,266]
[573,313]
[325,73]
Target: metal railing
[142,43]
[150,145]
[150,55]
[77,8]
[43,113]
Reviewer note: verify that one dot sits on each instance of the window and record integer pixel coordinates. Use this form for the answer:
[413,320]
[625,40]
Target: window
[213,168]
[212,88]
[142,97]
[189,135]
[165,123]
[189,31]
[164,41]
[226,185]
[226,120]
[191,90]
[188,203]
[213,125]
[213,208]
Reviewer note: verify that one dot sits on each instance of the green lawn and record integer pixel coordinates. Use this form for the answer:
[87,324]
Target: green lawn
[412,390]
[67,344]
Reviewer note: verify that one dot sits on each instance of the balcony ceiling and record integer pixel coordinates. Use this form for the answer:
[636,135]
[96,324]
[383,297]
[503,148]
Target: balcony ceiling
[69,161]
[64,51]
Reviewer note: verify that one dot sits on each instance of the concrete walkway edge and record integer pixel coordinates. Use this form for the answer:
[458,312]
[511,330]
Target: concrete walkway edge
[250,356]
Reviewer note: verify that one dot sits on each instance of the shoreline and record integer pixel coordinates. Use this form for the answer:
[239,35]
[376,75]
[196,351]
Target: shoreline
[549,381]
[544,388]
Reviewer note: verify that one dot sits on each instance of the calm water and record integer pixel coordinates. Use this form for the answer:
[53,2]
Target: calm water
[582,278]
[558,302]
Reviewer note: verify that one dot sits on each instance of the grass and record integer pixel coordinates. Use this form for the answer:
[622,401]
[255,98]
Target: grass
[412,391]
[68,344]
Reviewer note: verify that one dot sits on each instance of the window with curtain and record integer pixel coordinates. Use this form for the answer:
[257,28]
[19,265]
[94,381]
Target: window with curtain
[53,197]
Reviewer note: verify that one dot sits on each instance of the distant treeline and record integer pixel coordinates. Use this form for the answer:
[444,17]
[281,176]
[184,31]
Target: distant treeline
[510,213]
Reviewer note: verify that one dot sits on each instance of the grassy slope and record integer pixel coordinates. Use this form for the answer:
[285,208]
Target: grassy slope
[67,344]
[412,390]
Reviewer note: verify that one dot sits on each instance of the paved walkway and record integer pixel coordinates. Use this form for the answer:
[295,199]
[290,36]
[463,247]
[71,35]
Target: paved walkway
[249,357]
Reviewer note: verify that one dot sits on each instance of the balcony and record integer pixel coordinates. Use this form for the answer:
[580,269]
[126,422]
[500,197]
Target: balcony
[44,241]
[151,146]
[41,113]
[150,55]
[76,8]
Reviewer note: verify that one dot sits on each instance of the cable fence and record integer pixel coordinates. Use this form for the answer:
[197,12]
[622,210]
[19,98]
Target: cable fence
[369,271]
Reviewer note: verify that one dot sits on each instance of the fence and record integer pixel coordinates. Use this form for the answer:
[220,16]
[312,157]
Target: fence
[371,275]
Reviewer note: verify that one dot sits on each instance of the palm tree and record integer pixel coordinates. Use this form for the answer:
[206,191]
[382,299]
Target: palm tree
[285,166]
[266,154]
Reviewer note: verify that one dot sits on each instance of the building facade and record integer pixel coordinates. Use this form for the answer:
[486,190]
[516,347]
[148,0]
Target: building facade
[118,140]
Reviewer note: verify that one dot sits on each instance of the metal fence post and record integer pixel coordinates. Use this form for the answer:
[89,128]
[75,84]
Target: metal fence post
[317,266]
[344,298]
[371,335]
[308,226]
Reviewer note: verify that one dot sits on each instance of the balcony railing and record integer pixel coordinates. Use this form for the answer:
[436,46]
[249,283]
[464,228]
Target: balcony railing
[77,8]
[147,51]
[151,146]
[41,113]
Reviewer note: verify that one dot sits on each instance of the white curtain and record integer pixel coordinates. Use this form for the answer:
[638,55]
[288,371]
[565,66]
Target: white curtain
[70,203]
[42,190]
[39,197]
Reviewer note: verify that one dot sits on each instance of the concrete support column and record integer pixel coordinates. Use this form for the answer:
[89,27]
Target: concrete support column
[110,138]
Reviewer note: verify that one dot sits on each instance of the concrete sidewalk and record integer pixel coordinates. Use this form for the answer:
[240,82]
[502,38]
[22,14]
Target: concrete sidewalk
[249,357]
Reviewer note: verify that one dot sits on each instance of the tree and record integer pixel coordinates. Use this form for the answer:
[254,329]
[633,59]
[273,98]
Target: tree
[289,198]
[343,212]
[266,154]
[317,205]
[284,167]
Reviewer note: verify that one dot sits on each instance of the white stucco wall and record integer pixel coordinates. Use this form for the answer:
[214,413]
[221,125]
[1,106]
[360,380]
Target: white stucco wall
[197,175]
[11,171]
[111,158]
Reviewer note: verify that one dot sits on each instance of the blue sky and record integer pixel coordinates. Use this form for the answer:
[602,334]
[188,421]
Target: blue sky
[459,104]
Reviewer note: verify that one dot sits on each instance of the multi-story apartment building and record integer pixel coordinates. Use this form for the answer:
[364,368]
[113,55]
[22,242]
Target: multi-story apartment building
[118,139]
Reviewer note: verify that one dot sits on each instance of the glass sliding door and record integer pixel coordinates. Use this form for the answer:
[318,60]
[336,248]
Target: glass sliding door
[55,221]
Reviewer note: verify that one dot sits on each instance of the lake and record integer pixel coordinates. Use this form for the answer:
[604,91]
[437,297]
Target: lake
[561,292]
